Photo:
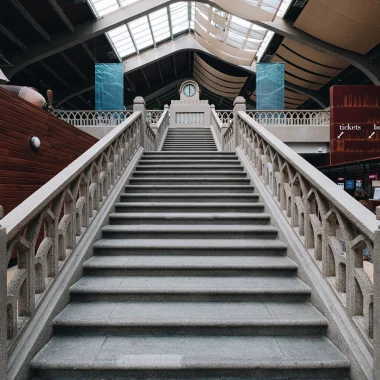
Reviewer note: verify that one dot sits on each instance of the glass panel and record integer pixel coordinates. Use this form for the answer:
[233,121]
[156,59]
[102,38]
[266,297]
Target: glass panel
[121,41]
[141,32]
[109,86]
[160,24]
[270,84]
[179,13]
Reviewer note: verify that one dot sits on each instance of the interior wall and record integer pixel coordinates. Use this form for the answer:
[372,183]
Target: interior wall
[22,169]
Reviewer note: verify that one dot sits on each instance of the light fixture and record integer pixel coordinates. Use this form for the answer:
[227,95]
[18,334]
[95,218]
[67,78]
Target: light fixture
[35,143]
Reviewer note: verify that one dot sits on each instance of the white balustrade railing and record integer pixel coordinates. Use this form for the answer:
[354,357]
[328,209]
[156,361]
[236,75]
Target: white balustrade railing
[153,116]
[93,118]
[162,127]
[225,116]
[332,225]
[44,230]
[294,117]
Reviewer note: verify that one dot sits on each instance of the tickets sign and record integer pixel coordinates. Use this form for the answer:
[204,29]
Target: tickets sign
[355,123]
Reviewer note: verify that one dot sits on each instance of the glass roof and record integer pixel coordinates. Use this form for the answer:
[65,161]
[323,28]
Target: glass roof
[146,31]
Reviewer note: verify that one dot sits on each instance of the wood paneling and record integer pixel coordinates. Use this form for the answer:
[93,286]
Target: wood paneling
[23,170]
[349,24]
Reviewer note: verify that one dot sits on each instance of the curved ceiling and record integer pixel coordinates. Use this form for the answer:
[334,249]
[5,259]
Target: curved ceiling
[350,24]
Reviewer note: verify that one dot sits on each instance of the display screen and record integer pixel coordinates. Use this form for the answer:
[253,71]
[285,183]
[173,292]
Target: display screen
[350,185]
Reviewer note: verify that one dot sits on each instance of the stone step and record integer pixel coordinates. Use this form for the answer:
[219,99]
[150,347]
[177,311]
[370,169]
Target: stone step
[200,197]
[191,167]
[165,156]
[216,182]
[186,207]
[190,319]
[183,189]
[190,174]
[190,247]
[189,161]
[209,231]
[190,289]
[181,218]
[211,266]
[227,154]
[125,357]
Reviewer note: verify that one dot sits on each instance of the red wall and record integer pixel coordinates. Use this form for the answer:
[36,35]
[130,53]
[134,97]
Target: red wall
[358,107]
[23,170]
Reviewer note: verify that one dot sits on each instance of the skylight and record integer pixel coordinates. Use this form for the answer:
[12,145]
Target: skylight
[165,23]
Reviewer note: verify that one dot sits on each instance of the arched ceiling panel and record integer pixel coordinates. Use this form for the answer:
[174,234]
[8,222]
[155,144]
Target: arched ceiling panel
[305,63]
[295,95]
[350,24]
[209,87]
[315,55]
[229,80]
[289,68]
[302,83]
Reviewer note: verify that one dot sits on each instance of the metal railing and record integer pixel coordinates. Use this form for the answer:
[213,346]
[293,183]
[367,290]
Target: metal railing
[93,118]
[294,117]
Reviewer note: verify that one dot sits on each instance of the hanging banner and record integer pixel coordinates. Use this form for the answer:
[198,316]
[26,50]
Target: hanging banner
[109,86]
[355,123]
[270,86]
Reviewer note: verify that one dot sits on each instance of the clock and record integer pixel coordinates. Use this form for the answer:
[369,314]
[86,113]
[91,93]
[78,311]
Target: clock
[189,90]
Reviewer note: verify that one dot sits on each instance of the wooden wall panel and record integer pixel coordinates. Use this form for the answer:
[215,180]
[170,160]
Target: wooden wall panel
[23,170]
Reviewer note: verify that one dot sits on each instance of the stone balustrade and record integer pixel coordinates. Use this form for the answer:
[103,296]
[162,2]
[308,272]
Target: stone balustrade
[294,117]
[334,227]
[93,118]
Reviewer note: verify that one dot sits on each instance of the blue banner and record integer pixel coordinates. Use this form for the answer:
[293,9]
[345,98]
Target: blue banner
[270,85]
[109,86]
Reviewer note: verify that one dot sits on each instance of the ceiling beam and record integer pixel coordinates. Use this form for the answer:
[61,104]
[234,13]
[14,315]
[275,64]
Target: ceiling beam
[130,82]
[12,37]
[133,39]
[89,52]
[73,65]
[146,79]
[175,66]
[135,10]
[61,15]
[30,19]
[151,31]
[53,72]
[159,70]
[170,22]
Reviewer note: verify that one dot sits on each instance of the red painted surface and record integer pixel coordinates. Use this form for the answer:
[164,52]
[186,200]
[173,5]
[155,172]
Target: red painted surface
[23,170]
[355,110]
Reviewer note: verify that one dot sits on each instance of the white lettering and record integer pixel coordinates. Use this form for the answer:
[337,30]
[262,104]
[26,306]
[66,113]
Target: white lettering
[349,127]
[376,127]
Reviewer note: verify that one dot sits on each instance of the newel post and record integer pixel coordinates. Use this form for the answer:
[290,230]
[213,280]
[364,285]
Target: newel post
[376,302]
[139,105]
[212,108]
[3,304]
[239,105]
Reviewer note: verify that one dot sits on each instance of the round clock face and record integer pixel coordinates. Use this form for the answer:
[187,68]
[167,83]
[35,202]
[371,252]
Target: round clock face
[189,90]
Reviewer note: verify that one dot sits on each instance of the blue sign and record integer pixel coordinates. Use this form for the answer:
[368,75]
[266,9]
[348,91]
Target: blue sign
[109,86]
[350,185]
[270,85]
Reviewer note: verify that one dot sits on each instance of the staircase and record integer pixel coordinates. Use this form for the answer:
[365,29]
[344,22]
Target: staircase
[189,139]
[189,281]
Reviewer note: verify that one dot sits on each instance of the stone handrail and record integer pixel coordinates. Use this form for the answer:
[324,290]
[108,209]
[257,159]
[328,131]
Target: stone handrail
[92,118]
[229,138]
[217,126]
[293,117]
[44,230]
[162,127]
[334,227]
